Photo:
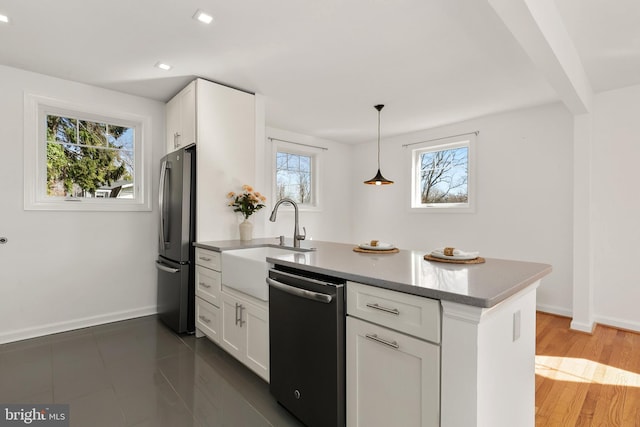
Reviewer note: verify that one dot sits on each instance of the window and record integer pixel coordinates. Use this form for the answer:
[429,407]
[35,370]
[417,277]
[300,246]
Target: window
[88,159]
[442,175]
[78,154]
[296,173]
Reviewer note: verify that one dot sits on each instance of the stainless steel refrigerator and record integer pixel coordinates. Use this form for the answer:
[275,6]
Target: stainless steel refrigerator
[176,255]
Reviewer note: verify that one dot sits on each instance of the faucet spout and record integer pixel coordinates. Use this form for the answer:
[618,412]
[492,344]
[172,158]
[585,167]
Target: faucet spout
[296,231]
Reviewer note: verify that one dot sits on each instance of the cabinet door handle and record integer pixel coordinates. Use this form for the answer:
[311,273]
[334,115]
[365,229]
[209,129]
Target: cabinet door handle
[376,338]
[385,309]
[204,319]
[240,321]
[204,285]
[176,135]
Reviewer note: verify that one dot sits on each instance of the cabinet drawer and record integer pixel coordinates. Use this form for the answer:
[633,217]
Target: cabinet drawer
[410,314]
[207,258]
[207,319]
[208,285]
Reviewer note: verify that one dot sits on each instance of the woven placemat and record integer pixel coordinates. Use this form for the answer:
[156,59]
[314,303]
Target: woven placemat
[478,260]
[370,251]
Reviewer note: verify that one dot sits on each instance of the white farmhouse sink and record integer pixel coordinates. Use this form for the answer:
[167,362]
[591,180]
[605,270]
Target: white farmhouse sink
[245,270]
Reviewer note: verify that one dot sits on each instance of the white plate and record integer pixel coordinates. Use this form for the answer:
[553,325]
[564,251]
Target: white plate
[380,247]
[454,257]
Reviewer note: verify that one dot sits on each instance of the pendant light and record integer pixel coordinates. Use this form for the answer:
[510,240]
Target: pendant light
[378,179]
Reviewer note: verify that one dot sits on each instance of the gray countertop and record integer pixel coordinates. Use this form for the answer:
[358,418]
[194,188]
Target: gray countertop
[481,285]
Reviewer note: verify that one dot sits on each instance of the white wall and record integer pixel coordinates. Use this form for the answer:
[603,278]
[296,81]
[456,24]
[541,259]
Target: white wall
[63,270]
[332,220]
[616,208]
[524,196]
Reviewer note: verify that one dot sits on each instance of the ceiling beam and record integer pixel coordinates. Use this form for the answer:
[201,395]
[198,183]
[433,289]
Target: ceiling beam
[538,27]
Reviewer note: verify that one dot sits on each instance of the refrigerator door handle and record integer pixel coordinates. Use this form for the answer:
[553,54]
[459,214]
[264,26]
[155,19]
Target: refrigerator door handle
[163,181]
[161,266]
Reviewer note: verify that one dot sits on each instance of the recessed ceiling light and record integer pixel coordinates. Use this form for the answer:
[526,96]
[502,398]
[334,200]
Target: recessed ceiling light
[203,17]
[4,18]
[163,66]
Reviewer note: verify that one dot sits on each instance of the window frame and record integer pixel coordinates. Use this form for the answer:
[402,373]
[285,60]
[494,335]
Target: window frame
[37,108]
[301,150]
[442,144]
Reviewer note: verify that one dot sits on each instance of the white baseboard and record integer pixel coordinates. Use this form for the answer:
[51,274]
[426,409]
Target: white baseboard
[618,323]
[560,311]
[586,327]
[583,327]
[69,325]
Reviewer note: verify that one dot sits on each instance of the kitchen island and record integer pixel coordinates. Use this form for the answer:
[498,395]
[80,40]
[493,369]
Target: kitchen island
[487,330]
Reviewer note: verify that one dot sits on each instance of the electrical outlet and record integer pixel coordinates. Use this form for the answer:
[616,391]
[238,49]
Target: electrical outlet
[516,325]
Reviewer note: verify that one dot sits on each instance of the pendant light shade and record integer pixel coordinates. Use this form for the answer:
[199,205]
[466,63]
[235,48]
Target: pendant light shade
[378,179]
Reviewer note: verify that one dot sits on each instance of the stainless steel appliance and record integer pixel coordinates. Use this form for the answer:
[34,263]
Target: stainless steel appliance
[307,345]
[176,204]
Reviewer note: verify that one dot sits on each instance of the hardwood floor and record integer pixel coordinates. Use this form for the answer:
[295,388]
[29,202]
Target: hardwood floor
[586,380]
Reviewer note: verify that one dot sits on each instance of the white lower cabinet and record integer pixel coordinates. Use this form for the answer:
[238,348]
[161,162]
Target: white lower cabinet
[245,332]
[393,358]
[207,319]
[392,379]
[208,288]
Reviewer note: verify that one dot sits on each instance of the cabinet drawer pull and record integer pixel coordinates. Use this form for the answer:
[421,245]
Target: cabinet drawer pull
[204,285]
[239,321]
[376,338]
[204,258]
[204,319]
[385,309]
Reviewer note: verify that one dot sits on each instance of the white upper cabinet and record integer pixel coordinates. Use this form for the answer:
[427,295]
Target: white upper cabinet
[225,124]
[181,118]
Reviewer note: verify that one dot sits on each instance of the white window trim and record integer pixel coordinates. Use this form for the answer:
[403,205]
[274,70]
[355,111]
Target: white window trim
[316,171]
[36,107]
[443,144]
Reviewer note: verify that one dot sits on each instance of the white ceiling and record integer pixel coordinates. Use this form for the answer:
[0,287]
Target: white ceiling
[321,65]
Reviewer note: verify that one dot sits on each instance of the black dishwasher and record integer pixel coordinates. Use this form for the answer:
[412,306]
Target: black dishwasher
[307,345]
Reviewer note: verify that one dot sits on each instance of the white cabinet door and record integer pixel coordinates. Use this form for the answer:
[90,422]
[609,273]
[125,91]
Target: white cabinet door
[188,115]
[392,378]
[245,333]
[173,123]
[181,118]
[233,335]
[257,339]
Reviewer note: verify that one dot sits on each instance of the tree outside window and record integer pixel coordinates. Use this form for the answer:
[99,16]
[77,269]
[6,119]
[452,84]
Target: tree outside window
[293,177]
[443,175]
[87,159]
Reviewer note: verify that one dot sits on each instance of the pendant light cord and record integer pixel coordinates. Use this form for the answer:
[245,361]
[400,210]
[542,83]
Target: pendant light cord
[378,139]
[379,108]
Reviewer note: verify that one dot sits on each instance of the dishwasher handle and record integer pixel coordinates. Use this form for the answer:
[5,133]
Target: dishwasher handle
[316,296]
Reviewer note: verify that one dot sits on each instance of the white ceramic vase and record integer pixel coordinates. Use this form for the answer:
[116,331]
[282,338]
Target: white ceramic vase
[246,230]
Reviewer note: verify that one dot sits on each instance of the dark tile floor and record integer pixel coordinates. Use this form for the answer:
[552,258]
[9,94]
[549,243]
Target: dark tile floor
[137,373]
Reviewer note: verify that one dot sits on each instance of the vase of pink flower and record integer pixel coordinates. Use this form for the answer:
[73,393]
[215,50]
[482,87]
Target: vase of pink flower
[247,203]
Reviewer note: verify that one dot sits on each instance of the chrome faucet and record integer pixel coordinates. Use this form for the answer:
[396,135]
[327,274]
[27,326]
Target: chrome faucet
[296,232]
